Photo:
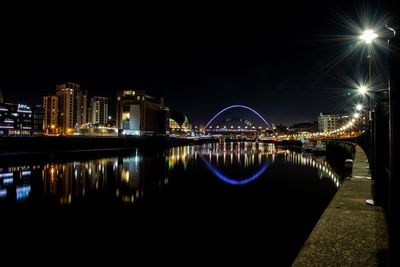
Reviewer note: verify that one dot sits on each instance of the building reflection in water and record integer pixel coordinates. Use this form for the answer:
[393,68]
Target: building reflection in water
[128,178]
[119,178]
[180,155]
[15,182]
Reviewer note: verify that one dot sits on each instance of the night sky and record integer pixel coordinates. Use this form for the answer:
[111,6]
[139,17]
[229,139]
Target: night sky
[282,59]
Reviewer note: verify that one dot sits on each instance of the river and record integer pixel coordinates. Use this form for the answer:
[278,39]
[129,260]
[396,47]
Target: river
[255,201]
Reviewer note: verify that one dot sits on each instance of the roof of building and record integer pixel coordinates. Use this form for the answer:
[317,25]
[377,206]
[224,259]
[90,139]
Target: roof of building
[177,116]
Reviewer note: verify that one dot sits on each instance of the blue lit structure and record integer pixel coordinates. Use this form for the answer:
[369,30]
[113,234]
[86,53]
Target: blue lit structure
[238,106]
[231,181]
[15,120]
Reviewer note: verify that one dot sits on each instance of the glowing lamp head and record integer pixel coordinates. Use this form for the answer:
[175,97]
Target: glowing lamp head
[359,107]
[368,36]
[362,90]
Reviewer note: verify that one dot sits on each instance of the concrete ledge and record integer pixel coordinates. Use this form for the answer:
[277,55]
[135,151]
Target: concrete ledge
[349,232]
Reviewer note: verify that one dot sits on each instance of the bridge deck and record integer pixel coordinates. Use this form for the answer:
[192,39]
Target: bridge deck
[350,232]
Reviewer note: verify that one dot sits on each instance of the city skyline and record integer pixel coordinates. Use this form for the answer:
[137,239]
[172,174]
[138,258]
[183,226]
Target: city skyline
[218,126]
[282,68]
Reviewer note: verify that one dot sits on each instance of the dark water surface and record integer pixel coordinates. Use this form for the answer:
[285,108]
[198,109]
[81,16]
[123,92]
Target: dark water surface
[225,203]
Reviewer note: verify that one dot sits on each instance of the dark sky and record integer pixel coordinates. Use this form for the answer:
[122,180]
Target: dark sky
[277,58]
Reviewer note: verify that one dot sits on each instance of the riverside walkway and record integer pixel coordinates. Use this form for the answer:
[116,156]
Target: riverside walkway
[349,232]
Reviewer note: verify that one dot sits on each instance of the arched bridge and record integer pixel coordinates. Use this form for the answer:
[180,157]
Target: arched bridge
[240,107]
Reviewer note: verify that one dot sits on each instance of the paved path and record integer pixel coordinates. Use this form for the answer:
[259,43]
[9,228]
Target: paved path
[349,232]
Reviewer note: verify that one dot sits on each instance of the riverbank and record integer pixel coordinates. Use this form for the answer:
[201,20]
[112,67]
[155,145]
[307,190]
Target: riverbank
[38,145]
[45,146]
[349,232]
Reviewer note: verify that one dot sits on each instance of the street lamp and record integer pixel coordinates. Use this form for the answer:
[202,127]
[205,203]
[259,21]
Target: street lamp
[362,90]
[368,36]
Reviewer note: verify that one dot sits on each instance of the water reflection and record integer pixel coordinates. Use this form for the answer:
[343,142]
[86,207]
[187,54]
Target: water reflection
[232,181]
[114,178]
[244,155]
[319,163]
[226,155]
[126,179]
[15,181]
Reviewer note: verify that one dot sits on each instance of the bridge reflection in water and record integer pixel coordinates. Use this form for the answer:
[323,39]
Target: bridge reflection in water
[248,154]
[128,178]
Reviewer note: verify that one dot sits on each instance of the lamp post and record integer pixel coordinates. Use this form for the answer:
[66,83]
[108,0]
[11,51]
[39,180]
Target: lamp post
[368,36]
[363,90]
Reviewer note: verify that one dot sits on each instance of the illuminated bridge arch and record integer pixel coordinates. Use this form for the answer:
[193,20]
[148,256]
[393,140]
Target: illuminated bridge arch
[238,106]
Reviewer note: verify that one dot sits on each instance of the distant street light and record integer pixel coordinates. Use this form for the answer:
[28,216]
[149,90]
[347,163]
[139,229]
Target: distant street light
[363,90]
